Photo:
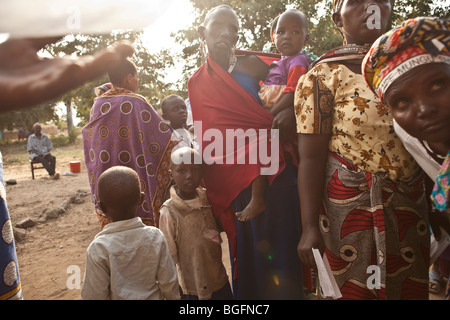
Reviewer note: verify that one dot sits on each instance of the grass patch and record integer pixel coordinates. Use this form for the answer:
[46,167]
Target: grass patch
[16,152]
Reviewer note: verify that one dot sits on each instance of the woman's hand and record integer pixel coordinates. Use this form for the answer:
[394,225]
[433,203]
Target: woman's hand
[284,121]
[311,238]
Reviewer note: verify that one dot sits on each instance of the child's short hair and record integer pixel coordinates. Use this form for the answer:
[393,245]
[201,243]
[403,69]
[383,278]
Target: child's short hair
[120,185]
[273,27]
[164,101]
[120,71]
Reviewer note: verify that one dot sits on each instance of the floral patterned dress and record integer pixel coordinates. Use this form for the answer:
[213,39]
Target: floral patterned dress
[374,217]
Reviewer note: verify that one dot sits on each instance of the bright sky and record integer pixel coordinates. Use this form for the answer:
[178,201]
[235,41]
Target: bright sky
[178,16]
[157,35]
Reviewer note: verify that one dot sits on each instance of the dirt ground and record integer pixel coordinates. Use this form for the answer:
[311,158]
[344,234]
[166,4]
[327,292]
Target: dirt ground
[51,253]
[54,243]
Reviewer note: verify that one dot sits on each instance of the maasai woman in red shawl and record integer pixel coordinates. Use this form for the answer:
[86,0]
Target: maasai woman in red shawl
[125,130]
[224,96]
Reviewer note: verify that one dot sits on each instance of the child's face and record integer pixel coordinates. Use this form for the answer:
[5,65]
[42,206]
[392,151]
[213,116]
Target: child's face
[291,33]
[419,102]
[175,111]
[187,177]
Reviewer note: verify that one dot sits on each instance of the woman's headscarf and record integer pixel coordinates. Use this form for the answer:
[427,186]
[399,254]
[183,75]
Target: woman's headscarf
[416,42]
[98,91]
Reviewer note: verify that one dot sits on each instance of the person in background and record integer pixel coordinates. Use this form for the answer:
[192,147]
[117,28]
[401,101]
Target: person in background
[412,77]
[191,232]
[39,147]
[174,111]
[124,129]
[127,259]
[361,193]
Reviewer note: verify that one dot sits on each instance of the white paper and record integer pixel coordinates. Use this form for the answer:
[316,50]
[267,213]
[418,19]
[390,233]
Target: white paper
[45,18]
[326,278]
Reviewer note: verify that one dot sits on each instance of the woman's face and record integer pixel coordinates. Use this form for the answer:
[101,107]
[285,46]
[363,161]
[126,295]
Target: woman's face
[220,33]
[420,102]
[363,21]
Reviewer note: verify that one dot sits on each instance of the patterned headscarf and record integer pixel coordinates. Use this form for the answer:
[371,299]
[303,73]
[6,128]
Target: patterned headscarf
[416,42]
[98,91]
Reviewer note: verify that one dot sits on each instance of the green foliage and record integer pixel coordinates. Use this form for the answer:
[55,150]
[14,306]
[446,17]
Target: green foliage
[60,140]
[256,17]
[73,134]
[25,118]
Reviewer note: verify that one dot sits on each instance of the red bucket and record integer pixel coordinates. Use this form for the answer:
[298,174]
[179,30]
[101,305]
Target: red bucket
[75,166]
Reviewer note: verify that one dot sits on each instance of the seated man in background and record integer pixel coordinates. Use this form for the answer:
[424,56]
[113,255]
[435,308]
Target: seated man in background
[39,147]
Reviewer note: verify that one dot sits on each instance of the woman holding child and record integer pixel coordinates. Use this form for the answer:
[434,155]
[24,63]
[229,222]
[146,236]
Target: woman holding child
[361,193]
[224,95]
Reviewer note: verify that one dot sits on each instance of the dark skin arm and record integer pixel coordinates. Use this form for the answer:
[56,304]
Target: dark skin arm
[313,151]
[27,79]
[284,113]
[253,66]
[284,119]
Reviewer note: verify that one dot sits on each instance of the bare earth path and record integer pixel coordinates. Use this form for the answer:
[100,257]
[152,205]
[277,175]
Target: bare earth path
[56,241]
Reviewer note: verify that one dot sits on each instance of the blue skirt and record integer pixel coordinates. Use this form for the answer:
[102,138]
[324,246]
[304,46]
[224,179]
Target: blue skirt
[268,267]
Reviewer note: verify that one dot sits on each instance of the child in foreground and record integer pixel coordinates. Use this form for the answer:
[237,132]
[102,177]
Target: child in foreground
[127,260]
[191,232]
[290,34]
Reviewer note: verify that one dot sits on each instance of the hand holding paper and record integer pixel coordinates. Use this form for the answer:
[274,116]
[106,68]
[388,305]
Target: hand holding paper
[326,278]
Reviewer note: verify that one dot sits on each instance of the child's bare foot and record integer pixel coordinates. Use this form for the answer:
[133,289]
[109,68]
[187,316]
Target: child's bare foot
[254,208]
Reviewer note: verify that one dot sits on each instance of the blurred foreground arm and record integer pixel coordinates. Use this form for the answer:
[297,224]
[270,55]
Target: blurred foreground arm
[27,79]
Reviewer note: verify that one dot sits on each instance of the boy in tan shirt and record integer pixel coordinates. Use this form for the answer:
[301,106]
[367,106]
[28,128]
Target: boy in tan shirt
[191,232]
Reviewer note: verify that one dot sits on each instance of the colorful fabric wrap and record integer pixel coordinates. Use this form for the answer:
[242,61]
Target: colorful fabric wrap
[10,286]
[124,130]
[98,91]
[416,42]
[218,102]
[440,196]
[346,52]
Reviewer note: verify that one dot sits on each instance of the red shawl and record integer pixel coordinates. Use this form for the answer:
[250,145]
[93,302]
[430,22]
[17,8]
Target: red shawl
[220,103]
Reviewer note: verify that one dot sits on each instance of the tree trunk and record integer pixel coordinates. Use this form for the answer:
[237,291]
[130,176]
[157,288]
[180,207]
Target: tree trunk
[69,116]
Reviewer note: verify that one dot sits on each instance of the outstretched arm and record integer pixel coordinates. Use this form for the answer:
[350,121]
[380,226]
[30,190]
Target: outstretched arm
[27,79]
[313,151]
